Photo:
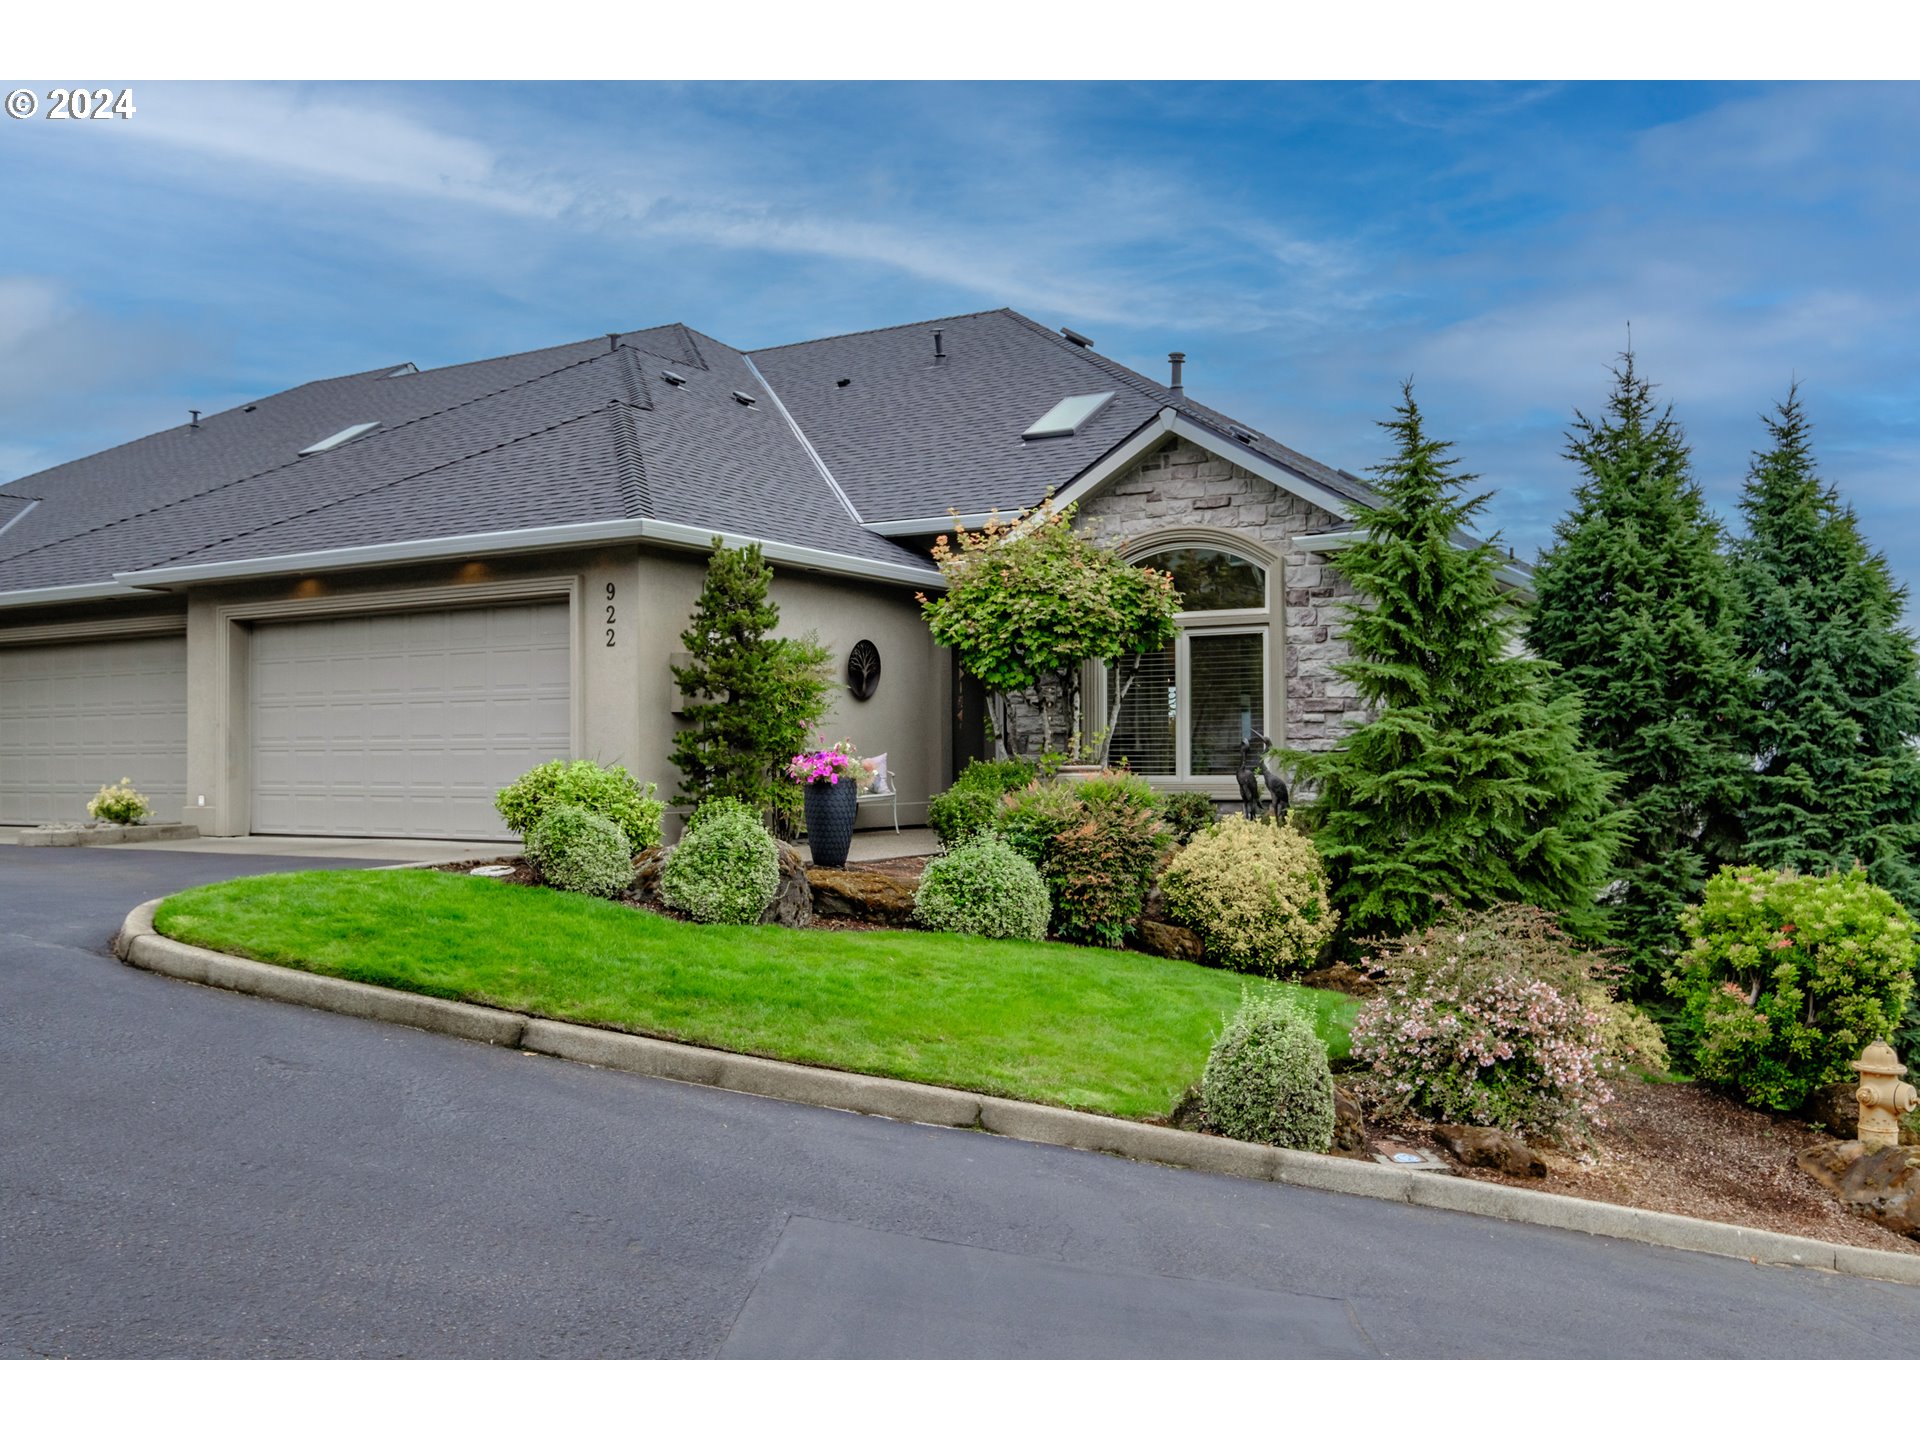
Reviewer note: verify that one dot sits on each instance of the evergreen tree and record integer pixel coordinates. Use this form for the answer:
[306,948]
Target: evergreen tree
[754,698]
[1637,605]
[1471,783]
[1837,704]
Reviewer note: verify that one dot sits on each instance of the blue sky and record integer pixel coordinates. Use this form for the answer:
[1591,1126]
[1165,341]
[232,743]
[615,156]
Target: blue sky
[1308,245]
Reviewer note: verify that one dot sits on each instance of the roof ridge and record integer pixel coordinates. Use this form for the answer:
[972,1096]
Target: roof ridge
[635,496]
[375,437]
[390,483]
[882,329]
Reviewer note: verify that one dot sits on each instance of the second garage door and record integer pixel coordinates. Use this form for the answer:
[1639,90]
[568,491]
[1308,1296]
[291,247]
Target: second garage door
[405,724]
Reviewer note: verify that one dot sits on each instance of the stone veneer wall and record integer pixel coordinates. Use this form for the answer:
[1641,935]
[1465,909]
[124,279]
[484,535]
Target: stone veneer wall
[1183,486]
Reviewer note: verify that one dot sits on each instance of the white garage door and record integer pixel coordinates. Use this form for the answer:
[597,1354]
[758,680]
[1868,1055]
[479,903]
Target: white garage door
[76,717]
[405,724]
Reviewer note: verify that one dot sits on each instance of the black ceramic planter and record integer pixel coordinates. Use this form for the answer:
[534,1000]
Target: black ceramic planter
[830,813]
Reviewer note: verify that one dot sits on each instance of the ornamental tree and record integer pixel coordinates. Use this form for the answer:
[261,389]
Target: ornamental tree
[754,697]
[1836,710]
[1638,607]
[1471,782]
[1028,602]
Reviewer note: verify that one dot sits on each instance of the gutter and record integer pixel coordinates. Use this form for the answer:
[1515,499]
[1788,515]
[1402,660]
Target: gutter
[546,537]
[61,594]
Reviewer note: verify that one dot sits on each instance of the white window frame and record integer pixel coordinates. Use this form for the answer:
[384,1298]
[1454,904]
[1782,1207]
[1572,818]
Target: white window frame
[1260,621]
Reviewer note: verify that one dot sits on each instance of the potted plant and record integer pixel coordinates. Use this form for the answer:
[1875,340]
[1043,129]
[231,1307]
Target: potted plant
[832,780]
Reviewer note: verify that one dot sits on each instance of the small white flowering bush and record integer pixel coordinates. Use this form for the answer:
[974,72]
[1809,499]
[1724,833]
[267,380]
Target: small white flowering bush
[985,887]
[1267,1078]
[580,851]
[119,804]
[1255,893]
[725,870]
[1488,1018]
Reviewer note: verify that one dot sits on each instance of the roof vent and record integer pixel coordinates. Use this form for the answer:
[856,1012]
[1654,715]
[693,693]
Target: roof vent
[1245,437]
[352,432]
[407,369]
[1077,338]
[939,346]
[673,377]
[1068,416]
[842,384]
[250,409]
[745,399]
[1177,359]
[194,424]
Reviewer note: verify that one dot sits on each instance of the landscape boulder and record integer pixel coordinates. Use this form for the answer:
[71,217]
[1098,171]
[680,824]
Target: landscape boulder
[1349,1127]
[862,895]
[1164,938]
[1486,1148]
[1344,978]
[1883,1186]
[647,866]
[792,903]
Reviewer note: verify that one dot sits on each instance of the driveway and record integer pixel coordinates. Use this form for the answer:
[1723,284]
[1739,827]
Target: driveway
[194,1173]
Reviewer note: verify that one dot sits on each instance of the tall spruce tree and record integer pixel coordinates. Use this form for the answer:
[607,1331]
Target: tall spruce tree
[1637,605]
[1836,711]
[1471,784]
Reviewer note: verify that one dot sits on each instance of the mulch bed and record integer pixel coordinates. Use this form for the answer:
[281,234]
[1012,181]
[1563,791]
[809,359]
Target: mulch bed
[1684,1150]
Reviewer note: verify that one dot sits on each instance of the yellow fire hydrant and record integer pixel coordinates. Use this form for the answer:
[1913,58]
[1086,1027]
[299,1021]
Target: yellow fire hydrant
[1883,1097]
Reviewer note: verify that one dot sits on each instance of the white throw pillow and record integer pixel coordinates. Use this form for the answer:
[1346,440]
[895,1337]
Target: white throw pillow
[882,785]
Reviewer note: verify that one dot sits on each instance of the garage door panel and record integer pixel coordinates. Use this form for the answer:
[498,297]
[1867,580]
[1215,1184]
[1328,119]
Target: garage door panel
[74,717]
[405,724]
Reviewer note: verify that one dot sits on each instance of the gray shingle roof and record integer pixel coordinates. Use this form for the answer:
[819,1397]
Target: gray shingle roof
[588,432]
[910,436]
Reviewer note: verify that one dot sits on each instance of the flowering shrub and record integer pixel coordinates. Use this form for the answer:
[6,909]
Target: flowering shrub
[725,870]
[580,851]
[1097,841]
[1788,978]
[985,887]
[607,790]
[1255,893]
[829,767]
[1267,1078]
[1485,1020]
[119,804]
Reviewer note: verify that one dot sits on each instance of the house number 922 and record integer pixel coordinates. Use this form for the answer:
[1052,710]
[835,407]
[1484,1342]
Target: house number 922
[609,615]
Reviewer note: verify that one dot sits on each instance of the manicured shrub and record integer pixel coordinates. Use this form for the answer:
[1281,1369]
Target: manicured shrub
[580,851]
[607,790]
[1267,1078]
[119,804]
[1255,893]
[999,776]
[1787,978]
[724,871]
[1485,1019]
[1100,869]
[715,807]
[984,888]
[1032,816]
[962,813]
[1186,813]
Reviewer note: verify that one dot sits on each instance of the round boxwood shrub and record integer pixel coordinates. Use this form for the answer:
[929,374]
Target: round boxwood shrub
[1267,1079]
[580,851]
[606,790]
[725,871]
[716,806]
[1255,893]
[1788,978]
[985,887]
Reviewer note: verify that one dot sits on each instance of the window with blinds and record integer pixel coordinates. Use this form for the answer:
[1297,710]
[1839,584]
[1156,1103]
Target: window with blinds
[1227,683]
[1143,705]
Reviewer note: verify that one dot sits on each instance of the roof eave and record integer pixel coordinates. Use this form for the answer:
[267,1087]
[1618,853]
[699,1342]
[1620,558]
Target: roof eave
[61,594]
[533,541]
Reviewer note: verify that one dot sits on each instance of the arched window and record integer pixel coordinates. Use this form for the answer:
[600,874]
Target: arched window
[1182,713]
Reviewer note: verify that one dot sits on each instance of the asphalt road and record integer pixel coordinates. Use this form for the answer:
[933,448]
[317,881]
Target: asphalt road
[185,1172]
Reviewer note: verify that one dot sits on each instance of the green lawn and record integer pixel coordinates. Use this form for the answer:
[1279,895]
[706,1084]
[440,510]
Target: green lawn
[1101,1030]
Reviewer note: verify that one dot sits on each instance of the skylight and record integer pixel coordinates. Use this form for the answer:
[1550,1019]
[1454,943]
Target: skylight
[1068,416]
[352,432]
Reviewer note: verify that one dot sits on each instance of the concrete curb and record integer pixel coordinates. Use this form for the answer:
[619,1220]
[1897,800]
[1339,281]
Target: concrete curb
[105,835]
[138,945]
